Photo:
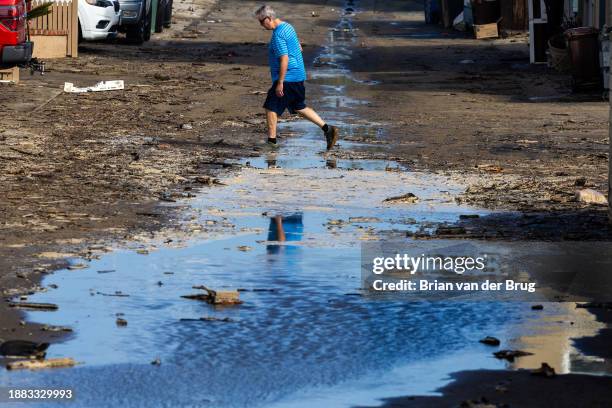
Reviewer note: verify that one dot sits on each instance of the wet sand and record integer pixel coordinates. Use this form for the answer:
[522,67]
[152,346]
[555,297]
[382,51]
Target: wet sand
[514,389]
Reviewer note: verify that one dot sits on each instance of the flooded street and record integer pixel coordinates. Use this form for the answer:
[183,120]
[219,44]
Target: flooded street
[304,336]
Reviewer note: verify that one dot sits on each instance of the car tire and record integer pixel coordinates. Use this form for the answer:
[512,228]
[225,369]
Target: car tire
[168,15]
[159,20]
[147,32]
[136,33]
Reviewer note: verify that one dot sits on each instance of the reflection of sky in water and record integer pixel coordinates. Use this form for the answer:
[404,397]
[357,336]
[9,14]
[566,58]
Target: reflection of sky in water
[305,334]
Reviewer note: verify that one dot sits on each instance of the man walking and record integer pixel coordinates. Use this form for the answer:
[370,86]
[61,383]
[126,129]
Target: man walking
[288,76]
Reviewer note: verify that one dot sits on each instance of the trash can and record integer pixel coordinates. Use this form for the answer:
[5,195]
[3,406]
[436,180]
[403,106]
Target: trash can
[485,11]
[604,59]
[432,11]
[583,45]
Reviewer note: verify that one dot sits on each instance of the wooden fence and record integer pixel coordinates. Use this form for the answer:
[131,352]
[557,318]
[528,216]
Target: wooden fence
[63,21]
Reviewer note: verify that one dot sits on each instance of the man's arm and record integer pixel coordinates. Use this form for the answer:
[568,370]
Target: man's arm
[284,65]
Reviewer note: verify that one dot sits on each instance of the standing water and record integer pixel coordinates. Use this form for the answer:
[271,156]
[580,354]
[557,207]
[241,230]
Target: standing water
[301,338]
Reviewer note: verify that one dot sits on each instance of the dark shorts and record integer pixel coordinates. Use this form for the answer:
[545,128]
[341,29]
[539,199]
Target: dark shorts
[294,97]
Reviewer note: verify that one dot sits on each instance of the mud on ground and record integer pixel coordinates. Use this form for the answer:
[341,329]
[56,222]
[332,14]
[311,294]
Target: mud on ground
[477,109]
[79,171]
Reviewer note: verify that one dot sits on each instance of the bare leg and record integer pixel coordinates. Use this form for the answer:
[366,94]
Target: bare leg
[280,232]
[312,116]
[272,119]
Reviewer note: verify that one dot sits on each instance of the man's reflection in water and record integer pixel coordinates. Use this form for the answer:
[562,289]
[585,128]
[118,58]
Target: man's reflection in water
[271,161]
[285,229]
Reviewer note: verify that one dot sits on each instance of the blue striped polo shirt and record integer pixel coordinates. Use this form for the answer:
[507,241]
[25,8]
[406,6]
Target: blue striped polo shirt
[285,41]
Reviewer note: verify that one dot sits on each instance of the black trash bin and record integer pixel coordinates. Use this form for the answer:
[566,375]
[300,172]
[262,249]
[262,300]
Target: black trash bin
[485,11]
[583,44]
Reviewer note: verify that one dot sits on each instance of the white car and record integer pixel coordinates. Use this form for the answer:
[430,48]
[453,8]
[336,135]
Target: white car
[98,19]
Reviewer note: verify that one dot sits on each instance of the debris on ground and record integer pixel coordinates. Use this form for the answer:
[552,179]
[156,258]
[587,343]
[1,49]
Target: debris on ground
[510,355]
[595,305]
[483,403]
[37,306]
[589,196]
[490,341]
[544,371]
[450,230]
[100,86]
[117,293]
[220,297]
[490,167]
[49,328]
[77,266]
[209,319]
[408,198]
[40,364]
[364,220]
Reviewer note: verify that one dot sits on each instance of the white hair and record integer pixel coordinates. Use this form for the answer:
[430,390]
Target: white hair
[265,11]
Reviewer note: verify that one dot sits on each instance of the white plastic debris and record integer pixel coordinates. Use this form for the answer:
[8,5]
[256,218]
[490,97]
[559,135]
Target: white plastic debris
[590,196]
[100,86]
[459,22]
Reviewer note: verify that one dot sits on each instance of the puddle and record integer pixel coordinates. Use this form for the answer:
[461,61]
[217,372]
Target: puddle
[298,339]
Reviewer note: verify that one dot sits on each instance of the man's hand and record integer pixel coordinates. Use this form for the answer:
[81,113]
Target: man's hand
[284,65]
[279,90]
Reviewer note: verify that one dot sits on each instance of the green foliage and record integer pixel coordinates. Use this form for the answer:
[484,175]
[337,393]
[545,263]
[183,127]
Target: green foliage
[40,11]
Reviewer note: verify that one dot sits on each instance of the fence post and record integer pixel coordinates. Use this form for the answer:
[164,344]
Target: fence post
[75,29]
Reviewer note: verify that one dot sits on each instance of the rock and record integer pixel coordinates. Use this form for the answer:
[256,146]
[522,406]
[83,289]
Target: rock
[23,348]
[510,355]
[544,371]
[580,182]
[490,341]
[537,307]
[589,196]
[450,231]
[38,364]
[407,198]
[483,403]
